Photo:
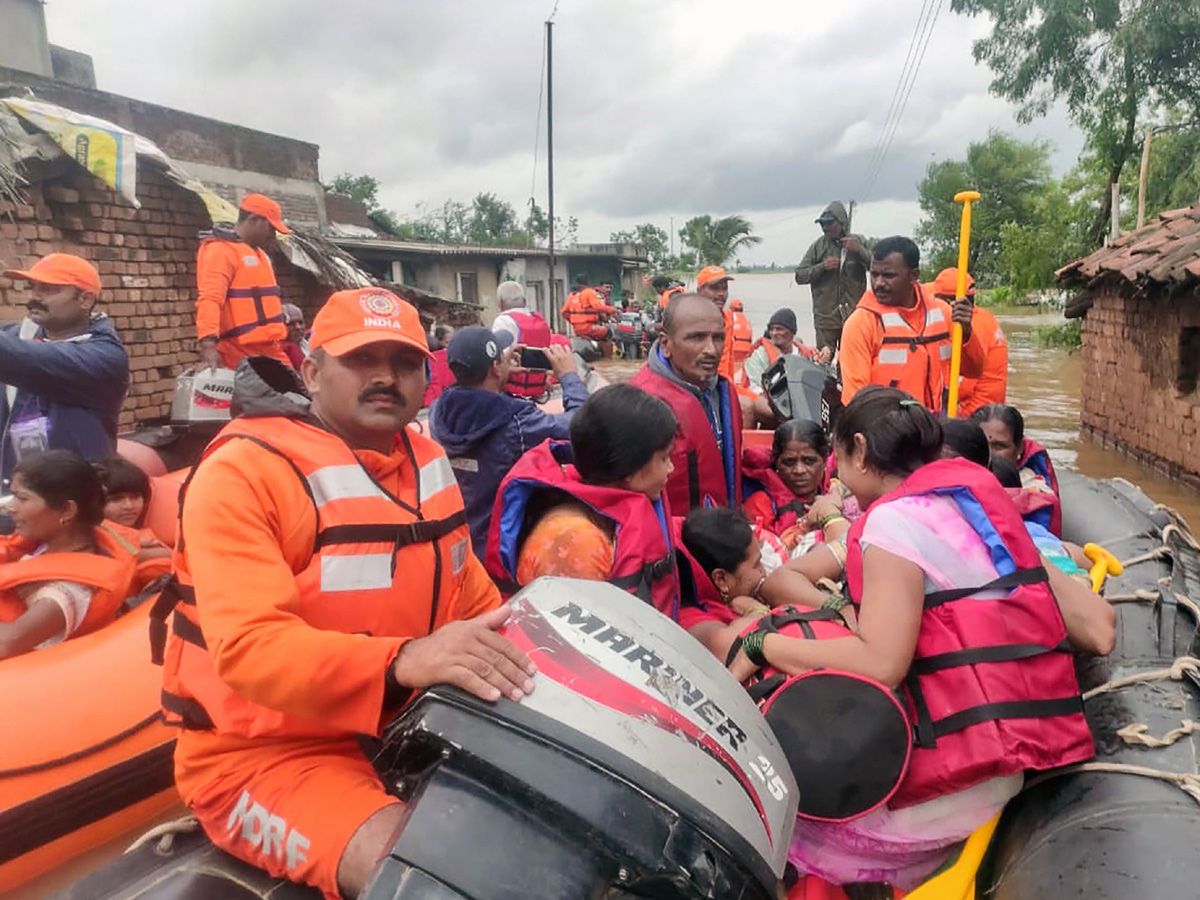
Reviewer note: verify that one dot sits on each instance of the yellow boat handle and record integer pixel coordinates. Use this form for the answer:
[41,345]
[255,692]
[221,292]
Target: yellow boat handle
[1103,565]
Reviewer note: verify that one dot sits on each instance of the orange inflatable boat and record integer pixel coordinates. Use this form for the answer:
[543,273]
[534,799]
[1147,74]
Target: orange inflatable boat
[84,756]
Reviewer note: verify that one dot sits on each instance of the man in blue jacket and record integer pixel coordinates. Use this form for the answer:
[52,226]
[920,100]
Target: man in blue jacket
[484,430]
[64,371]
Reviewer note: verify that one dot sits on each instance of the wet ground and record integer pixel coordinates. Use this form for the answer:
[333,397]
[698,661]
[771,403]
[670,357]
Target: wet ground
[1042,382]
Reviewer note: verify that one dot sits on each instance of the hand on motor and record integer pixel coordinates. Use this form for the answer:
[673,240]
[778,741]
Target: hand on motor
[961,313]
[209,357]
[562,360]
[830,263]
[468,654]
[825,355]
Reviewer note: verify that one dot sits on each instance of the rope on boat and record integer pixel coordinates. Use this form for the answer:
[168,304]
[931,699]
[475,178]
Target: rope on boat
[1135,734]
[165,834]
[1141,595]
[1179,668]
[1189,604]
[1156,553]
[1187,782]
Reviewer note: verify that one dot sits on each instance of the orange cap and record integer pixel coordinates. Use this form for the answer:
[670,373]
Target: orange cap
[61,268]
[709,274]
[946,284]
[736,305]
[262,205]
[355,318]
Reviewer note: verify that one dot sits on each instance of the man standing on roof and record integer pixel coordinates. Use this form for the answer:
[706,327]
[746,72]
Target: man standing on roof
[238,308]
[682,372]
[835,268]
[900,335]
[63,371]
[325,575]
[992,385]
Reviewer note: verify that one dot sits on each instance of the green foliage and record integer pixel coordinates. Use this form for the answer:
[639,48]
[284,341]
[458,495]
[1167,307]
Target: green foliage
[1010,175]
[1066,335]
[654,239]
[362,188]
[1031,252]
[716,241]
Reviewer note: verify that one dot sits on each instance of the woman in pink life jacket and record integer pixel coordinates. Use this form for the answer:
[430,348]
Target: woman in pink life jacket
[958,612]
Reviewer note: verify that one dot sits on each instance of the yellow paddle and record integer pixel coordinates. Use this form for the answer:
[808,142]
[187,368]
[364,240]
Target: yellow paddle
[966,198]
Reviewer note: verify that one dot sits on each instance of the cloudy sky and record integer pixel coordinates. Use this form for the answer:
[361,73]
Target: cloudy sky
[767,108]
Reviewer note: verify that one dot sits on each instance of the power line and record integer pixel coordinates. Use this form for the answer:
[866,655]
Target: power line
[537,128]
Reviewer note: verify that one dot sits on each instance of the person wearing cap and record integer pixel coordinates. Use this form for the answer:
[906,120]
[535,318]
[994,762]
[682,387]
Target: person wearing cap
[835,269]
[529,329]
[326,573]
[992,385]
[780,340]
[713,282]
[485,430]
[239,312]
[63,371]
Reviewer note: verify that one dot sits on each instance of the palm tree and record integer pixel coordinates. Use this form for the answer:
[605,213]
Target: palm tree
[716,242]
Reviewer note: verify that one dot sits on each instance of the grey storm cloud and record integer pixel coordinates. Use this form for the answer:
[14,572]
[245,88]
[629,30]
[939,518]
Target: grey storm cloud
[676,105]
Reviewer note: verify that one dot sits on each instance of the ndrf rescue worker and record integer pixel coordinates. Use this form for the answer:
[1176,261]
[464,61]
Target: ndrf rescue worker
[326,574]
[238,307]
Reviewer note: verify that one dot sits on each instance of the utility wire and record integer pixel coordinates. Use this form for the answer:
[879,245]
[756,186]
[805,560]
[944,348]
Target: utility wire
[537,128]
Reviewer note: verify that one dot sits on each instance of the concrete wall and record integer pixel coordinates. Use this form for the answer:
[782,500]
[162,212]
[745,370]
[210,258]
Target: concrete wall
[23,41]
[1131,360]
[73,67]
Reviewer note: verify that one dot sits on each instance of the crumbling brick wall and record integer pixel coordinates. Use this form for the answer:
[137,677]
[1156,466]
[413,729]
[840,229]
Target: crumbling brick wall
[1131,360]
[147,263]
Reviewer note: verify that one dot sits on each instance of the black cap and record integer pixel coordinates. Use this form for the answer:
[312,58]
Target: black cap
[473,350]
[824,217]
[784,317]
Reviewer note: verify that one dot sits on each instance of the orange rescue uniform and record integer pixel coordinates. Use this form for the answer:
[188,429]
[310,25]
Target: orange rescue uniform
[586,311]
[238,301]
[741,338]
[992,385]
[311,565]
[904,348]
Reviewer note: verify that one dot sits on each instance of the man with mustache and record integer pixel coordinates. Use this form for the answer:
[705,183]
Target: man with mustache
[683,372]
[63,371]
[326,575]
[486,430]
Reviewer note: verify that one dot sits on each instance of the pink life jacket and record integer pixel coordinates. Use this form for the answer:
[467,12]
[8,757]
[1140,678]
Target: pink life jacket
[991,690]
[643,551]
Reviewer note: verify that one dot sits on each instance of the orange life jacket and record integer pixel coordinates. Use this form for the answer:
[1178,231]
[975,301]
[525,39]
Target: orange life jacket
[908,359]
[374,554]
[253,311]
[742,337]
[665,297]
[110,573]
[773,353]
[584,317]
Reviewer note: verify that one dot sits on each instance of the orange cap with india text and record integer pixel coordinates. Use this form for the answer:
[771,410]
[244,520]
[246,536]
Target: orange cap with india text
[355,318]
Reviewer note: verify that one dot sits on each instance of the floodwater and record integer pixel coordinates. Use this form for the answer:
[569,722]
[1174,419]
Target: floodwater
[1042,382]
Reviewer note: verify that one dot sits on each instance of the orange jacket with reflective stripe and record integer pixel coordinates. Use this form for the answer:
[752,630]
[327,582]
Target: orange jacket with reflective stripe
[907,348]
[110,573]
[238,298]
[303,567]
[741,336]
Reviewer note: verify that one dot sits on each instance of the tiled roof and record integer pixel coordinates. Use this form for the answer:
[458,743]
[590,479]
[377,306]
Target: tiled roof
[1165,254]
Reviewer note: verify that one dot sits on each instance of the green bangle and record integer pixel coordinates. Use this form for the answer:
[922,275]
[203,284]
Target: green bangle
[834,602]
[752,646]
[826,520]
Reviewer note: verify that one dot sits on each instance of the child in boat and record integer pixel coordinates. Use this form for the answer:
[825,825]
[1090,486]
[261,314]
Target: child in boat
[1005,430]
[781,484]
[61,575]
[940,567]
[127,494]
[593,508]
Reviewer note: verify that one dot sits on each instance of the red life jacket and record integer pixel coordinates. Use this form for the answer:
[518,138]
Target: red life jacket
[700,477]
[1035,458]
[786,507]
[643,551]
[992,689]
[440,377]
[856,760]
[534,332]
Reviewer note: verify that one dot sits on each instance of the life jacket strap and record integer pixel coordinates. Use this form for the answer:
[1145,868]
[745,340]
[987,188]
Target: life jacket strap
[977,655]
[641,582]
[190,713]
[398,535]
[1031,575]
[693,476]
[171,594]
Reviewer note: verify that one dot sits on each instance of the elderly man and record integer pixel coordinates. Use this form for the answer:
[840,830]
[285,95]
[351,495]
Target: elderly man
[780,341]
[682,371]
[835,268]
[63,371]
[295,345]
[326,575]
[528,329]
[238,307]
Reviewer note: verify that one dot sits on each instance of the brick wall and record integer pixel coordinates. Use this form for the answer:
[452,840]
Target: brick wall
[1130,361]
[147,263]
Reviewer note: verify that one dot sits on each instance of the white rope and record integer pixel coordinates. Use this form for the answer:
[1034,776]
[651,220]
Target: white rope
[1135,735]
[1141,595]
[1156,553]
[1175,673]
[166,832]
[1189,782]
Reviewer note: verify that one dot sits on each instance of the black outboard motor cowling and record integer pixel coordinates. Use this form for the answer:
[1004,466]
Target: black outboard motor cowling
[798,388]
[638,768]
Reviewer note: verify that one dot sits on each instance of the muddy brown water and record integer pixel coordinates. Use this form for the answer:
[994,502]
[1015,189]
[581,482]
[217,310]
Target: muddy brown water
[1043,383]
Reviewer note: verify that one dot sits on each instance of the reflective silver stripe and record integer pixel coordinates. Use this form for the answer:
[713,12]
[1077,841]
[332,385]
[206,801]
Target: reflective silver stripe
[893,356]
[436,475]
[356,572]
[945,351]
[934,315]
[342,483]
[893,320]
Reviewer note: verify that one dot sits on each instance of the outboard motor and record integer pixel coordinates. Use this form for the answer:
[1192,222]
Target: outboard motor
[628,333]
[638,768]
[798,388]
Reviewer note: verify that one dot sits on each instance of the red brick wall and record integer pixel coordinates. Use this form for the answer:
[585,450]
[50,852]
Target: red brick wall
[147,263]
[1130,360]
